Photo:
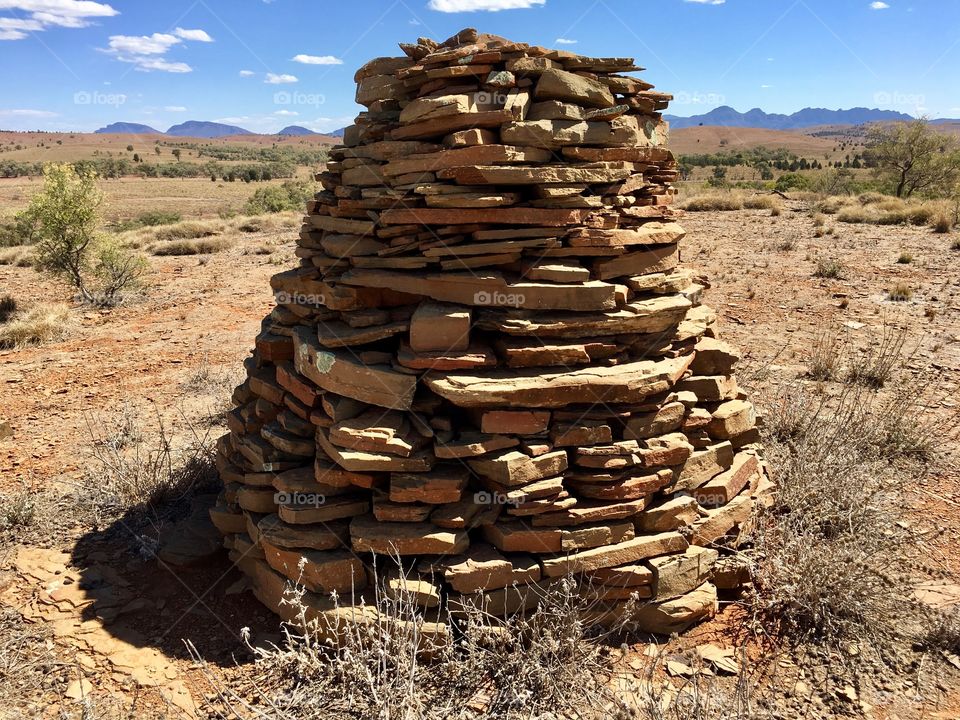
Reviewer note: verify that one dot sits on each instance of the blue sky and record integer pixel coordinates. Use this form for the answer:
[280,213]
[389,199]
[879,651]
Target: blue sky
[263,64]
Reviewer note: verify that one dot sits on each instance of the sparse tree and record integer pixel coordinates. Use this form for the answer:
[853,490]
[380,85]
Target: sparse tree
[156,149]
[67,213]
[176,153]
[914,156]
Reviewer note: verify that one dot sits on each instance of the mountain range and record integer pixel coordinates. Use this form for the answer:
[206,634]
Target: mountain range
[726,116]
[198,129]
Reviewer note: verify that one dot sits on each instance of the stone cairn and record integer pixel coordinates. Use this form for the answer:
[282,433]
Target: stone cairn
[488,363]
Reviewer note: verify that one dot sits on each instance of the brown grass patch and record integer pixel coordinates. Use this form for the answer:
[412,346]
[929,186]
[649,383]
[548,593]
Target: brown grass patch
[42,323]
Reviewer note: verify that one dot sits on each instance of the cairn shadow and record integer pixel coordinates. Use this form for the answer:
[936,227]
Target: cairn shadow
[162,581]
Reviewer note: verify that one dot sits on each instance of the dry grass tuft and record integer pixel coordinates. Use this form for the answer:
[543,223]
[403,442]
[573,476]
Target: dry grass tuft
[726,200]
[878,209]
[8,306]
[131,470]
[713,202]
[828,268]
[831,543]
[905,258]
[41,323]
[202,246]
[547,664]
[19,256]
[900,292]
[942,223]
[18,509]
[826,356]
[874,366]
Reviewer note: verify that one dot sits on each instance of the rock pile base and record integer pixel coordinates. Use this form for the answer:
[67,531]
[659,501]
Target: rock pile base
[489,363]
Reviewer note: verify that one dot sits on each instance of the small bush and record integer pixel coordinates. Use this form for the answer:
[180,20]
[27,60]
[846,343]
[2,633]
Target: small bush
[291,195]
[955,245]
[791,181]
[67,212]
[158,217]
[905,258]
[828,268]
[39,324]
[900,293]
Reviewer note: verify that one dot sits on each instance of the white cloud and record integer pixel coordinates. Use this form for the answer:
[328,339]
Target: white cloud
[706,2]
[452,6]
[879,6]
[156,44]
[47,13]
[195,35]
[274,79]
[148,64]
[175,108]
[147,51]
[21,112]
[247,73]
[286,113]
[565,41]
[317,59]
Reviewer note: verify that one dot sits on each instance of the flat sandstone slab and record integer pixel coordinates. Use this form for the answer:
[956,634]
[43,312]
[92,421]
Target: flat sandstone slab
[628,383]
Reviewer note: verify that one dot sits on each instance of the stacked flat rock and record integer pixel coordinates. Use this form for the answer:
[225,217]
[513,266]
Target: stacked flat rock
[488,362]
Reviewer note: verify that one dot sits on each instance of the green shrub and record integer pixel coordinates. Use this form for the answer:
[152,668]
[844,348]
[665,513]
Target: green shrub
[291,195]
[158,217]
[791,181]
[67,213]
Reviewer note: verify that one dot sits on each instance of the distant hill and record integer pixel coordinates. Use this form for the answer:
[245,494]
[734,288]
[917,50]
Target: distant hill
[203,129]
[128,129]
[297,130]
[726,116]
[336,133]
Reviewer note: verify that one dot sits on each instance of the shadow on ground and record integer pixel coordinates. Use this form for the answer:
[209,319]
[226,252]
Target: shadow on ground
[159,584]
